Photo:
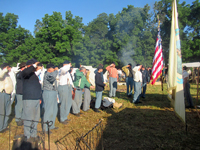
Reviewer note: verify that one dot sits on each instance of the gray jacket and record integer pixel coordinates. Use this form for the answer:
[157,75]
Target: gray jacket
[49,82]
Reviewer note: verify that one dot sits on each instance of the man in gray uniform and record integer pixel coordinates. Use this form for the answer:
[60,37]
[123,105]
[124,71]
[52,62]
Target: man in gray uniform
[87,95]
[50,96]
[31,100]
[6,88]
[65,92]
[19,97]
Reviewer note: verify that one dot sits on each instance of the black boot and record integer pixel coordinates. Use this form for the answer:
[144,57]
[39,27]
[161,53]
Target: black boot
[96,110]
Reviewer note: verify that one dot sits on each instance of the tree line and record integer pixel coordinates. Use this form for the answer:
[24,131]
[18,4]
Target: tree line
[127,37]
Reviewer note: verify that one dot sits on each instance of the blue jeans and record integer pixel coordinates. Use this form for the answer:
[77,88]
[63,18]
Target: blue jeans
[98,99]
[31,111]
[129,83]
[65,97]
[50,108]
[18,107]
[113,86]
[137,91]
[5,109]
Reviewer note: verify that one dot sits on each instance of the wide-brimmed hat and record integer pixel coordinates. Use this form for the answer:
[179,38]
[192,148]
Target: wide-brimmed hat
[31,61]
[21,65]
[4,65]
[66,62]
[50,66]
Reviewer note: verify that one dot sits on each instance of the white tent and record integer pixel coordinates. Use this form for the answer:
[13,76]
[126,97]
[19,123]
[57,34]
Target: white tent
[192,64]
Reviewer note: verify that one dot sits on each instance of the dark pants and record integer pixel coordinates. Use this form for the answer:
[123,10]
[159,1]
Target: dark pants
[129,83]
[187,94]
[144,86]
[5,110]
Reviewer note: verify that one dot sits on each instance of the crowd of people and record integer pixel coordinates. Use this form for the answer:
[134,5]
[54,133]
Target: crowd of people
[37,95]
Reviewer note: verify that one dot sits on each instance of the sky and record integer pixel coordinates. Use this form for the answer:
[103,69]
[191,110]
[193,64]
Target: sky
[29,11]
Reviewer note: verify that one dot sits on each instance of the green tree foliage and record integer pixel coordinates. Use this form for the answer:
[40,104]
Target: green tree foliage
[12,39]
[56,39]
[127,37]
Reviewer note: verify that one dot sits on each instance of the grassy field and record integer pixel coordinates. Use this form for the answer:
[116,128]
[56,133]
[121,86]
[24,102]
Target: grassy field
[149,125]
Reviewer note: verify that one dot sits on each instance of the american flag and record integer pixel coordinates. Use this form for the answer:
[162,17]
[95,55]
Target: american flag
[157,60]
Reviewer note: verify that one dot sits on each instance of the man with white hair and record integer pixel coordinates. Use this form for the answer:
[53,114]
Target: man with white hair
[6,88]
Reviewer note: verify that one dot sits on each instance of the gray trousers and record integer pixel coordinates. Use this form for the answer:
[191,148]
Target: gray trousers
[113,86]
[50,108]
[188,95]
[87,99]
[18,107]
[76,103]
[65,97]
[31,111]
[5,110]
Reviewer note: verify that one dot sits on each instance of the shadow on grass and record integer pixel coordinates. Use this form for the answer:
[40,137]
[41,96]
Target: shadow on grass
[148,129]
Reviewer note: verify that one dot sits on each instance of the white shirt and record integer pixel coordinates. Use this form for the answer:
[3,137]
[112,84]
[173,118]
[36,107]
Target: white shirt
[185,74]
[137,74]
[64,76]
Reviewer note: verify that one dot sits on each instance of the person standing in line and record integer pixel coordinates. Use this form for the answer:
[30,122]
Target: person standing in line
[19,95]
[87,96]
[32,94]
[80,82]
[129,78]
[50,97]
[113,79]
[101,72]
[144,81]
[137,83]
[99,88]
[65,92]
[6,88]
[186,87]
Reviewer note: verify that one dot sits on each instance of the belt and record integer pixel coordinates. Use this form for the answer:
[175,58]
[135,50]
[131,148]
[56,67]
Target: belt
[79,89]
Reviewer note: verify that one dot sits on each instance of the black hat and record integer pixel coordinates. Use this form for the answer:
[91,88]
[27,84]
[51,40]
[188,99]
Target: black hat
[130,64]
[4,65]
[31,61]
[99,67]
[184,67]
[50,66]
[21,65]
[66,62]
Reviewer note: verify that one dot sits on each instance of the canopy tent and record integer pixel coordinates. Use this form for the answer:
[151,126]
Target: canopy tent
[192,64]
